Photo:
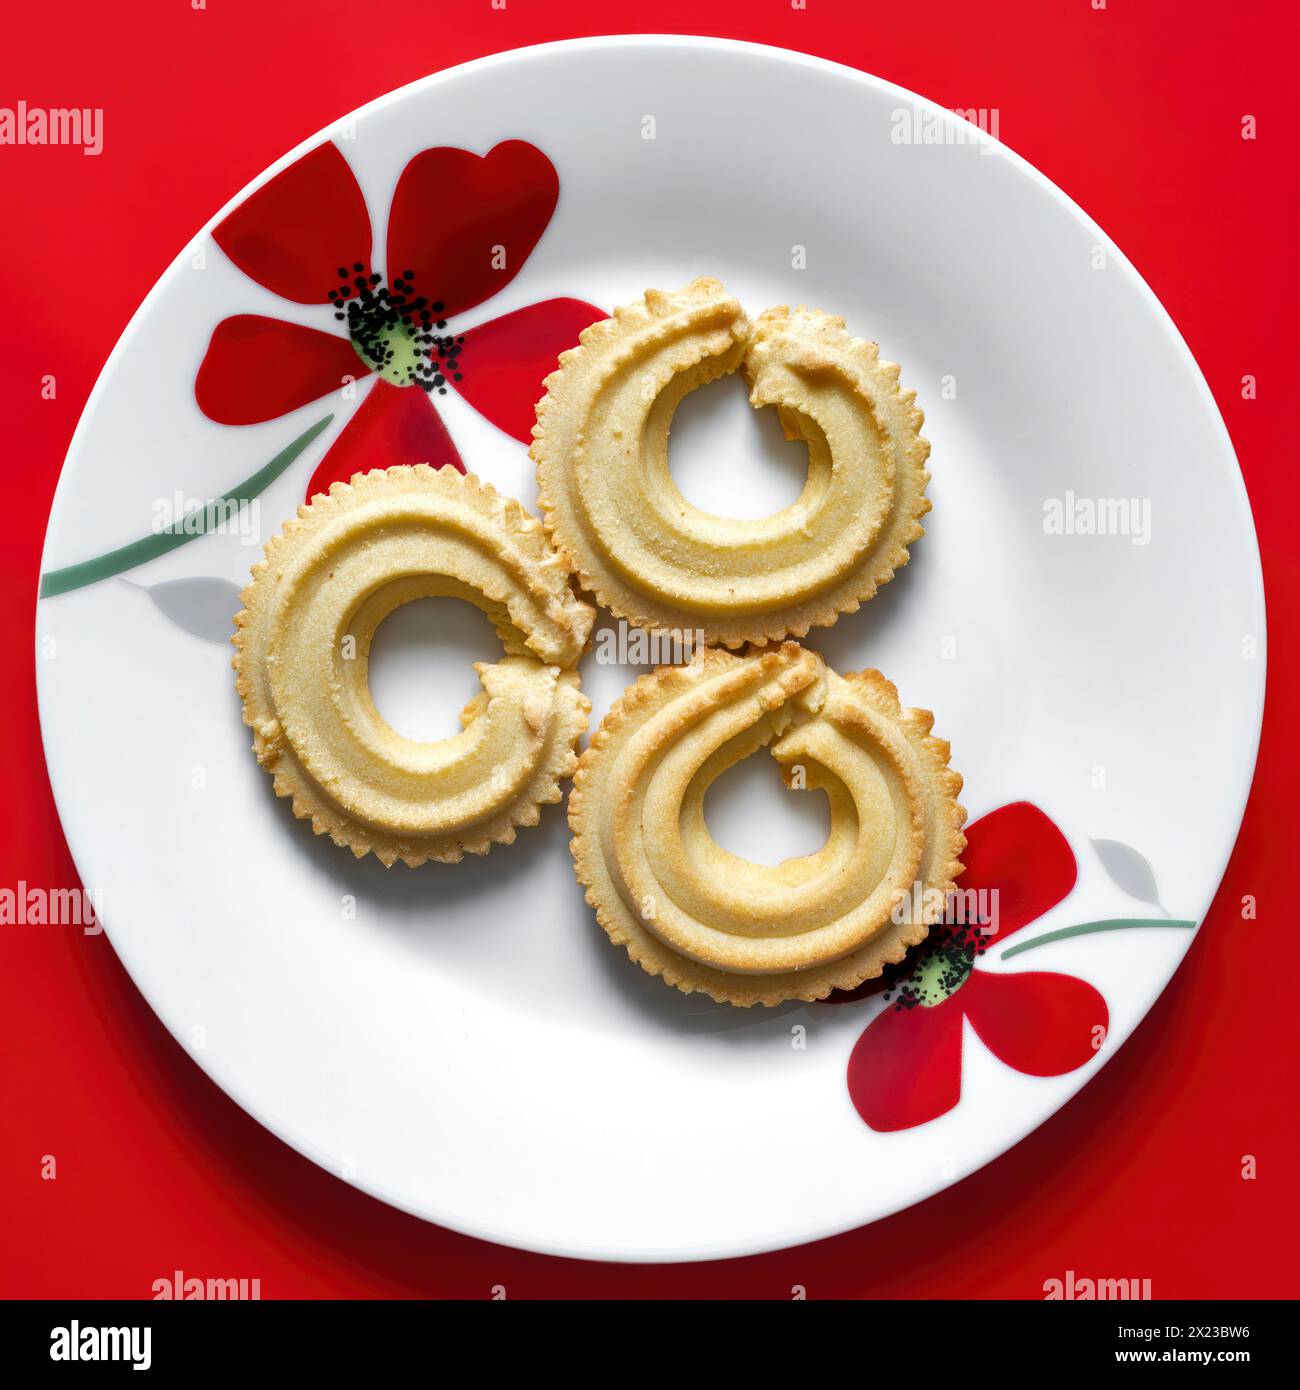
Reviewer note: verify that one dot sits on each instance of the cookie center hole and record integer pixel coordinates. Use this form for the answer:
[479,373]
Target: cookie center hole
[422,665]
[752,813]
[730,459]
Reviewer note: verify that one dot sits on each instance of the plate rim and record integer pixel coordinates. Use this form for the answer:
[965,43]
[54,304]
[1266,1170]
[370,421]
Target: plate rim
[1239,796]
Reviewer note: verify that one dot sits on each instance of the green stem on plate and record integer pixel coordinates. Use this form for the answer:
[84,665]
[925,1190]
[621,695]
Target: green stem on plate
[150,547]
[1087,928]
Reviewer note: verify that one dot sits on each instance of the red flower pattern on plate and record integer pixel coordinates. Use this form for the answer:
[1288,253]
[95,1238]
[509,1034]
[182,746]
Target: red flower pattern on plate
[460,228]
[905,1069]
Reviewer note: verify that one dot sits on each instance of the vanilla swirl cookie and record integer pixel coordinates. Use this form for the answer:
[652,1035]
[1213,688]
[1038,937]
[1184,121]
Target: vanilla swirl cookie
[328,580]
[611,506]
[746,933]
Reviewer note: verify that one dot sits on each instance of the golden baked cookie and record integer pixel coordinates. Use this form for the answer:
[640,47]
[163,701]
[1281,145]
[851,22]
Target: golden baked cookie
[328,580]
[611,506]
[747,933]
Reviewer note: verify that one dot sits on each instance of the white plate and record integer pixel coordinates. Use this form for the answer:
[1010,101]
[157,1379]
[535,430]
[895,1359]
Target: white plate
[469,1047]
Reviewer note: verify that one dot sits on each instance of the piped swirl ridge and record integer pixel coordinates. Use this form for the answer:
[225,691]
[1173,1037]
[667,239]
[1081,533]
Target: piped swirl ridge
[303,639]
[744,933]
[610,504]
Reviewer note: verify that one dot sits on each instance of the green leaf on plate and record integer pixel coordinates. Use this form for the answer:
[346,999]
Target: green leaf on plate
[150,547]
[1087,928]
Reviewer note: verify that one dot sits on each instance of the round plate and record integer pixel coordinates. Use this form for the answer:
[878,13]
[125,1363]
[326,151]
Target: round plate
[1084,615]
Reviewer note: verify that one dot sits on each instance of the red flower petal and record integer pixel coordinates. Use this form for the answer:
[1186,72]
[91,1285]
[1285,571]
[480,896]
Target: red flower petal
[256,368]
[1019,852]
[1040,1023]
[905,1069]
[464,224]
[295,233]
[505,362]
[863,991]
[394,424]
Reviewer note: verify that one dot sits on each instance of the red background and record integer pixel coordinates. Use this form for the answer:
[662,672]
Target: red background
[1135,111]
